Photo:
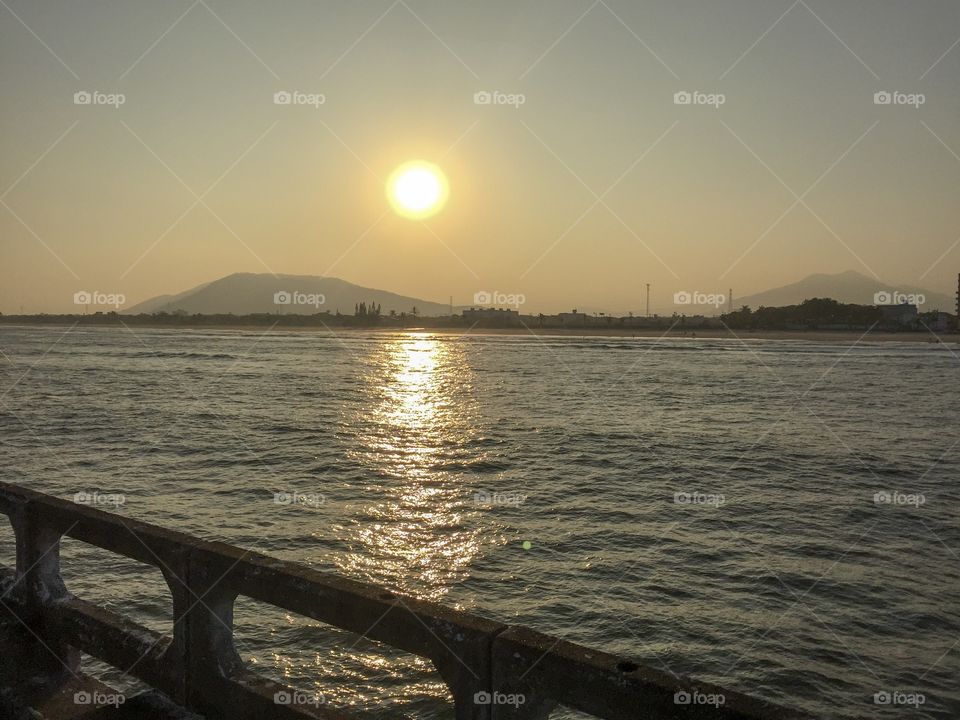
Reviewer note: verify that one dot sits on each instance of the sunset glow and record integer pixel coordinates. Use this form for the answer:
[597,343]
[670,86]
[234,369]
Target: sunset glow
[417,189]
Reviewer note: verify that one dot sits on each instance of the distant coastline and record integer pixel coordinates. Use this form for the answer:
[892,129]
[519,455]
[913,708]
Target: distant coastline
[446,326]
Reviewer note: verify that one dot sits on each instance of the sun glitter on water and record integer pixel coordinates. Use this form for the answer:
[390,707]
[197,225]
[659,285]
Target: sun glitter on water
[417,189]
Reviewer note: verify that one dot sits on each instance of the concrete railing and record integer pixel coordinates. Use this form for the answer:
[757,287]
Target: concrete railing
[480,660]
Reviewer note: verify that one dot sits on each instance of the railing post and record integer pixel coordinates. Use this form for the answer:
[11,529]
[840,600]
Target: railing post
[516,694]
[38,558]
[175,570]
[206,634]
[468,690]
[36,584]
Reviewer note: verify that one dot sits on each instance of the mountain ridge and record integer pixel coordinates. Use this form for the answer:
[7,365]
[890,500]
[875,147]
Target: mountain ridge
[254,293]
[849,286]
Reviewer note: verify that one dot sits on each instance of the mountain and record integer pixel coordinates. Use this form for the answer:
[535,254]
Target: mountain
[249,293]
[845,287]
[161,301]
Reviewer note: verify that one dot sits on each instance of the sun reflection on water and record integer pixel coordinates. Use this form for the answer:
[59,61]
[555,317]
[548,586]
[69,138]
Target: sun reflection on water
[413,442]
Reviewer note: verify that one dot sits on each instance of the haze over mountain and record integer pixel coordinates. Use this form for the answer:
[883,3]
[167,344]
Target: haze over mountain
[845,287]
[250,293]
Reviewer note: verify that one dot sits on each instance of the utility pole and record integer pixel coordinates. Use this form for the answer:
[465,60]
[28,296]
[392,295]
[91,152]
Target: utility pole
[648,300]
[730,300]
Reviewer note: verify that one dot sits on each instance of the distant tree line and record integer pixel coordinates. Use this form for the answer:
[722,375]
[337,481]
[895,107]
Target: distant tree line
[813,314]
[366,314]
[363,310]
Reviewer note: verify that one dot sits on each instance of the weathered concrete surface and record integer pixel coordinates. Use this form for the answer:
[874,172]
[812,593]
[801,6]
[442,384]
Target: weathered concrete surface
[548,672]
[199,668]
[142,707]
[31,674]
[58,705]
[34,684]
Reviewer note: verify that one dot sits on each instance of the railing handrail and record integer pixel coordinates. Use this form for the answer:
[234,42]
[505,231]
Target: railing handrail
[480,660]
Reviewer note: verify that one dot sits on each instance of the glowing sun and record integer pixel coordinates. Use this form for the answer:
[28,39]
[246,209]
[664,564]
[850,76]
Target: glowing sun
[417,189]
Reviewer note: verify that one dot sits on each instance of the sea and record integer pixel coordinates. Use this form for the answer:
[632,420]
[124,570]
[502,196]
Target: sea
[779,517]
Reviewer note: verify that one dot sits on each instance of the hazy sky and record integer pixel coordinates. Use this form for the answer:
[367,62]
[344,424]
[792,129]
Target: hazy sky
[97,197]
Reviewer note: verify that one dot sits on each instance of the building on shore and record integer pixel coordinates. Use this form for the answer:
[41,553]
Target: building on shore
[492,316]
[573,318]
[939,322]
[899,316]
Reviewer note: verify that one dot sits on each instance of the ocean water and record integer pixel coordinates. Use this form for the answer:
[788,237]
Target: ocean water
[778,517]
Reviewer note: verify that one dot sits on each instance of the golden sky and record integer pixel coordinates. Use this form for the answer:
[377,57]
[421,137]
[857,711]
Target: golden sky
[577,172]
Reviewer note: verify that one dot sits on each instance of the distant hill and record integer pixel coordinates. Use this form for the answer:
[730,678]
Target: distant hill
[250,293]
[845,287]
[154,304]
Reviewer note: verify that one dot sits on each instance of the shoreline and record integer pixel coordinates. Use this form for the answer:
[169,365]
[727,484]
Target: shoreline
[852,336]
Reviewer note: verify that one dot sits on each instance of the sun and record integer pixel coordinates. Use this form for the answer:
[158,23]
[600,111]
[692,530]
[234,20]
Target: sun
[417,189]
